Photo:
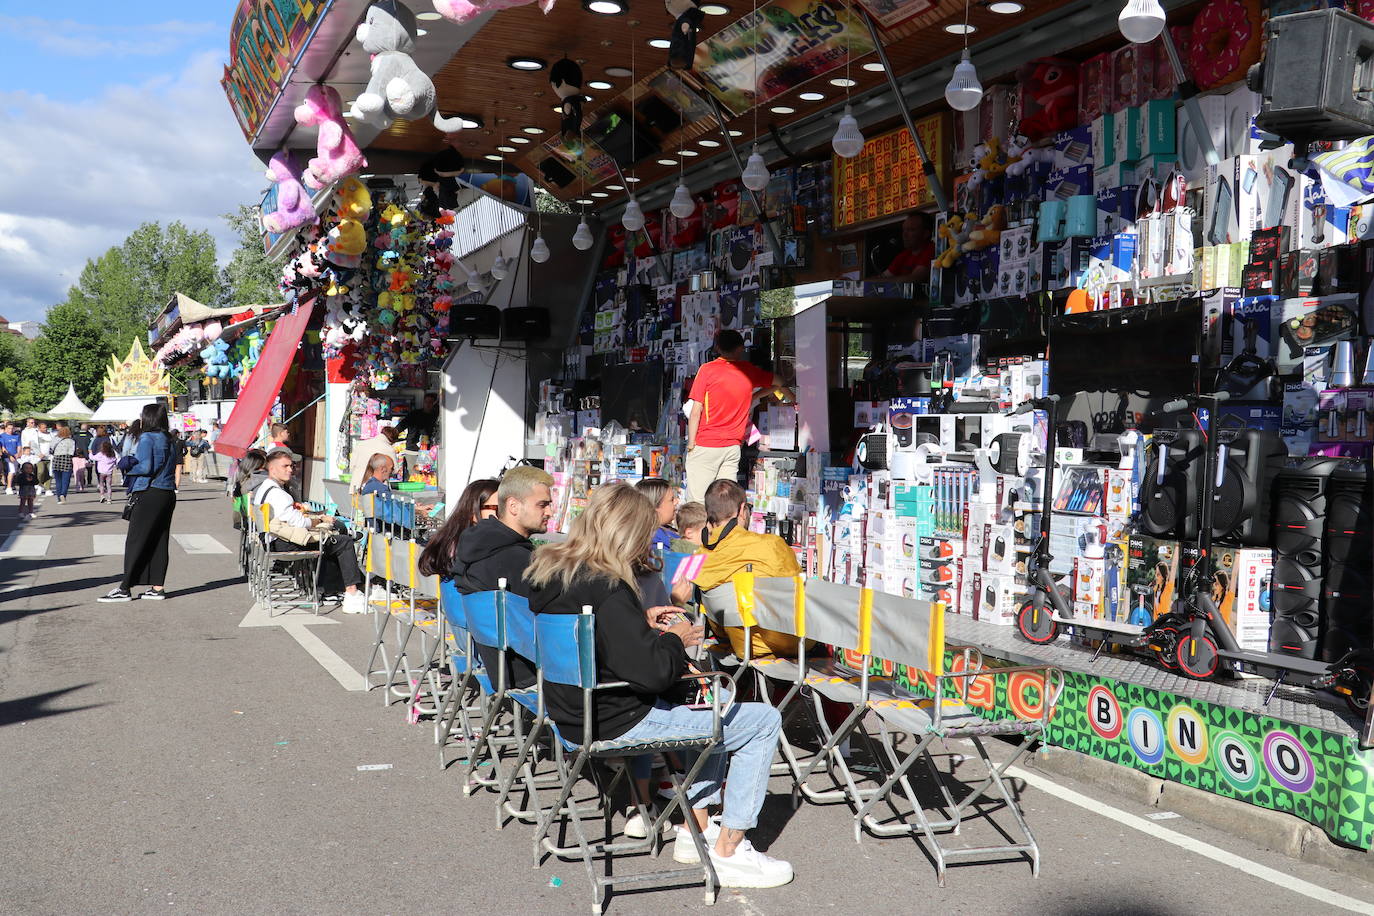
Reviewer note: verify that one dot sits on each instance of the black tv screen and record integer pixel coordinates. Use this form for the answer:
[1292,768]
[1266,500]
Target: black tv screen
[1148,349]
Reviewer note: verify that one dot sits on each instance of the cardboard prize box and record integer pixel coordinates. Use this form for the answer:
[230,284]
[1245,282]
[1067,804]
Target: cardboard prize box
[1151,576]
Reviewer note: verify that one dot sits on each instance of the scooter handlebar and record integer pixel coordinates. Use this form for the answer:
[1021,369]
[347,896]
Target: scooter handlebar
[1184,403]
[1033,404]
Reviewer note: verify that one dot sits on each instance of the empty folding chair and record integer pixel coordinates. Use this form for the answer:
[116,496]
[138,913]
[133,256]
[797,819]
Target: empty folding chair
[566,655]
[486,617]
[456,705]
[910,634]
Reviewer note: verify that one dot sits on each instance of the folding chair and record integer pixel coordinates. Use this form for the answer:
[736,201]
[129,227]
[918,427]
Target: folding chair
[412,617]
[486,617]
[910,633]
[285,578]
[454,705]
[566,655]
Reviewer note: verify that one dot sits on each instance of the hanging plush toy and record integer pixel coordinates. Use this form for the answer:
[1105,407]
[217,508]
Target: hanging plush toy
[398,87]
[566,79]
[682,43]
[461,11]
[337,154]
[293,202]
[352,200]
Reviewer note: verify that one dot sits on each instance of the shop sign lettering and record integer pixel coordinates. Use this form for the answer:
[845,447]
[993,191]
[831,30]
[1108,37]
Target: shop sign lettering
[265,40]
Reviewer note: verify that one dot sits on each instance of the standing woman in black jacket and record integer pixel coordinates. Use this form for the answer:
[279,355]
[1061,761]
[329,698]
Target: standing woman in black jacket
[595,566]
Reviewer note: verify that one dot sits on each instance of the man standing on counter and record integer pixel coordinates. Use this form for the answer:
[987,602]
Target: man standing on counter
[723,392]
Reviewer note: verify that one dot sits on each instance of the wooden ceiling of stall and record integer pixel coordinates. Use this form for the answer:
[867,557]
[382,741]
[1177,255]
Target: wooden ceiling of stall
[478,81]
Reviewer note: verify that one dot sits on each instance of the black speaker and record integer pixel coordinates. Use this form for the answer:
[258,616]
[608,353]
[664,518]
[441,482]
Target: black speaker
[1300,501]
[530,323]
[1317,76]
[1169,491]
[1245,494]
[465,321]
[1347,602]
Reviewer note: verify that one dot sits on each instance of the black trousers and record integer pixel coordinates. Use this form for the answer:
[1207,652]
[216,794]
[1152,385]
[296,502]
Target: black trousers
[340,560]
[145,548]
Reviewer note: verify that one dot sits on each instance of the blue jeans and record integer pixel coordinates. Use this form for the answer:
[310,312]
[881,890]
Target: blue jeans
[749,736]
[61,480]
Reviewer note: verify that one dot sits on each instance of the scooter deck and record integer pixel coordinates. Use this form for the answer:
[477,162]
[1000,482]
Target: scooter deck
[1275,660]
[1106,626]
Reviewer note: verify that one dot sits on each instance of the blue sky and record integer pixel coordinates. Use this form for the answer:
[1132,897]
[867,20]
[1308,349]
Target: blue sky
[111,114]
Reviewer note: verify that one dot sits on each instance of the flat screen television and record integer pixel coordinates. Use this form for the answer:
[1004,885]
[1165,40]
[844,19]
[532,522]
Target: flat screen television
[1151,350]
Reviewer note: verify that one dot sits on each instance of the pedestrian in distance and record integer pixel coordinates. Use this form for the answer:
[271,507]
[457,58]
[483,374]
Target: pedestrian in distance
[9,455]
[197,450]
[178,456]
[26,482]
[104,462]
[63,453]
[152,500]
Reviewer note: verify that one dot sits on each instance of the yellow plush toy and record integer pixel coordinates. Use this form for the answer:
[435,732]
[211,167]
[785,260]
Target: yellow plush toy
[949,231]
[988,232]
[994,162]
[353,200]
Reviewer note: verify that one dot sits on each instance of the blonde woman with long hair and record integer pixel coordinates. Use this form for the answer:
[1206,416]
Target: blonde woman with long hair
[595,567]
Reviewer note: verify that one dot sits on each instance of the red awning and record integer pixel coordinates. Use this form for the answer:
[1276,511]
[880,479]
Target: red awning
[264,382]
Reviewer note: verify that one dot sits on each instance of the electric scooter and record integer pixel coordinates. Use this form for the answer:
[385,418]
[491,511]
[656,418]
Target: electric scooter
[1196,639]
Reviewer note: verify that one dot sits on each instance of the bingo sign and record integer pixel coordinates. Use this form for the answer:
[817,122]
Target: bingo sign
[1320,777]
[265,41]
[888,177]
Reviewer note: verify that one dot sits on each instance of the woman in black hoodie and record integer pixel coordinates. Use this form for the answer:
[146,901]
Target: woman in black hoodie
[595,567]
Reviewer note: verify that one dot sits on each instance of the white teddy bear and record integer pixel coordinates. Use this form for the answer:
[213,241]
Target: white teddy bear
[398,89]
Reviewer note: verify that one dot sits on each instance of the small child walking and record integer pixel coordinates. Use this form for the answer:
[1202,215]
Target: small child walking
[105,461]
[26,481]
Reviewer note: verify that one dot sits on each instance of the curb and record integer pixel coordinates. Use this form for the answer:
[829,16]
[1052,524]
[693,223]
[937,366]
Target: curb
[1268,829]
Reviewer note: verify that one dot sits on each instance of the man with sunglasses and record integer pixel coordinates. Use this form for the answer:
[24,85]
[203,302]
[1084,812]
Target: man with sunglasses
[336,547]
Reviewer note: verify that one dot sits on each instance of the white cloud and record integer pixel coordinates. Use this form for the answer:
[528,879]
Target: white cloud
[79,39]
[81,175]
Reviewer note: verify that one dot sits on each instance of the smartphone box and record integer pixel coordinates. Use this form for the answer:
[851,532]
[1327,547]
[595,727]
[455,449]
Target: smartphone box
[1191,160]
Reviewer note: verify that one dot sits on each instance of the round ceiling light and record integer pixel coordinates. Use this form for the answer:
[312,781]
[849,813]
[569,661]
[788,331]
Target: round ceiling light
[1006,7]
[615,187]
[667,162]
[661,43]
[604,7]
[688,153]
[529,64]
[492,157]
[619,71]
[420,33]
[959,28]
[428,17]
[737,133]
[584,201]
[630,179]
[874,66]
[811,96]
[600,194]
[505,149]
[518,139]
[715,9]
[843,82]
[599,84]
[709,144]
[533,130]
[782,110]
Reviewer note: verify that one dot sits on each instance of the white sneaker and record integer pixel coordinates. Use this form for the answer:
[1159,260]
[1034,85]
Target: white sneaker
[354,603]
[637,828]
[378,594]
[750,868]
[685,851]
[9,491]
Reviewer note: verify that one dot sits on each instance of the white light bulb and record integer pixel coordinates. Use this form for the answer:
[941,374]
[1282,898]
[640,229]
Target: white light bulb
[539,251]
[499,268]
[682,205]
[582,238]
[474,282]
[633,217]
[755,174]
[964,92]
[1141,21]
[848,141]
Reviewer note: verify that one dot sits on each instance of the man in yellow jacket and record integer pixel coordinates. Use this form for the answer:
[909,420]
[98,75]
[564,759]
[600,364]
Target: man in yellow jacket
[731,548]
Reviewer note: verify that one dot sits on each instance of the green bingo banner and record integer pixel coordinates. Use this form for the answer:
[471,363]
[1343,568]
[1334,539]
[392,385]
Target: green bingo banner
[1323,778]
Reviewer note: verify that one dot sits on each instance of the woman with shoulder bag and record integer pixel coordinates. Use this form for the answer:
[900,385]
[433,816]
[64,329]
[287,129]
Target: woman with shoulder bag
[63,455]
[152,500]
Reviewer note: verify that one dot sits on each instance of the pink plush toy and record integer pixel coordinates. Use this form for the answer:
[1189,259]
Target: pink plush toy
[338,154]
[461,11]
[293,201]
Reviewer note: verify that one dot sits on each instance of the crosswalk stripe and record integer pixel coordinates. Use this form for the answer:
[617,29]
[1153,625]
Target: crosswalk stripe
[108,545]
[26,545]
[199,543]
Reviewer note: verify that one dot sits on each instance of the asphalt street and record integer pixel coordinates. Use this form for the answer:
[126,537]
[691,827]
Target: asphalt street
[158,756]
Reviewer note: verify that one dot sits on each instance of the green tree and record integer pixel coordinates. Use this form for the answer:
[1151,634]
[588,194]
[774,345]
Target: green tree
[72,348]
[249,278]
[14,349]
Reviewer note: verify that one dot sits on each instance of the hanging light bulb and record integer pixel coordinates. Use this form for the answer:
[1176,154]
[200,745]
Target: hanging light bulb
[848,141]
[539,251]
[633,217]
[1141,21]
[964,91]
[474,282]
[682,205]
[755,174]
[582,238]
[500,268]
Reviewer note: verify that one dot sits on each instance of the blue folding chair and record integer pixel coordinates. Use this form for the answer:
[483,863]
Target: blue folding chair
[566,654]
[487,621]
[463,664]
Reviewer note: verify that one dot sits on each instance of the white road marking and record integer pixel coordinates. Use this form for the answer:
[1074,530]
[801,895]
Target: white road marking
[26,545]
[199,543]
[1206,850]
[107,545]
[296,623]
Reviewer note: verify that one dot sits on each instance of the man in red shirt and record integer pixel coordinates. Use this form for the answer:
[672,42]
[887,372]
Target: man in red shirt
[724,395]
[912,263]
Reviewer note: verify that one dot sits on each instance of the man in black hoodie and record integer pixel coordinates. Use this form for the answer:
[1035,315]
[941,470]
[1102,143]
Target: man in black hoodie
[500,548]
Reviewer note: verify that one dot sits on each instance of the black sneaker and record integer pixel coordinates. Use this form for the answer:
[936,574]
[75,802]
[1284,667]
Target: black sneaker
[116,594]
[153,594]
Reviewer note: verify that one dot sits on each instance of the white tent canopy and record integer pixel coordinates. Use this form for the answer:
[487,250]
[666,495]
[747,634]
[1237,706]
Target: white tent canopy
[123,409]
[70,405]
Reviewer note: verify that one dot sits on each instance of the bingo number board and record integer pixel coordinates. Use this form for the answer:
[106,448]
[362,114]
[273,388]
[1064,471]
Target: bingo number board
[886,178]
